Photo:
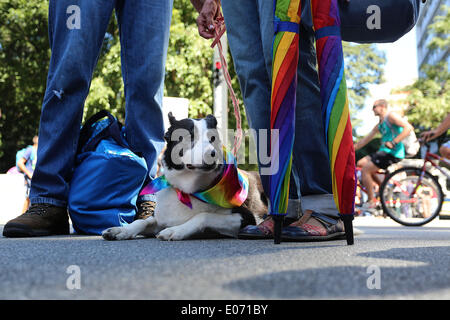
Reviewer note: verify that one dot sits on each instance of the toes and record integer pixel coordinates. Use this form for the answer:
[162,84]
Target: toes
[166,234]
[170,234]
[109,234]
[116,233]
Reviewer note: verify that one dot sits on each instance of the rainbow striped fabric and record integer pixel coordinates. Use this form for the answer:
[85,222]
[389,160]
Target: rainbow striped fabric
[335,110]
[283,100]
[230,191]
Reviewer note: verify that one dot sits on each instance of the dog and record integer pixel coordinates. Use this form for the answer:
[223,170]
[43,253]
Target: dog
[193,161]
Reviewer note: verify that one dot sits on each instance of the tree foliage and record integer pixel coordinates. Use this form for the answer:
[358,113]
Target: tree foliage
[429,97]
[24,56]
[189,62]
[364,66]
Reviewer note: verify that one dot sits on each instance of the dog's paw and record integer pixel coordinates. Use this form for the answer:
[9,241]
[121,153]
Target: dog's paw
[116,233]
[172,233]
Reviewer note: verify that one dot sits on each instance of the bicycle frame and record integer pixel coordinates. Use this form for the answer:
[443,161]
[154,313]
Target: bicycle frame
[429,157]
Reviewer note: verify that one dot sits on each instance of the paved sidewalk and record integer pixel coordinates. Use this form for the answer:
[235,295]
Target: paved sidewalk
[388,261]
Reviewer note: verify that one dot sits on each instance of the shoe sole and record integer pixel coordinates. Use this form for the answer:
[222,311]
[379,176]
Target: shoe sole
[334,236]
[253,237]
[20,231]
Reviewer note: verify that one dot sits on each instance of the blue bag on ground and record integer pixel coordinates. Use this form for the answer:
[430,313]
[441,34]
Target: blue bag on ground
[107,178]
[370,21]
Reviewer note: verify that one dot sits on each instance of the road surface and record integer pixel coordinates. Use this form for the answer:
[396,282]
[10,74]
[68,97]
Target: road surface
[388,261]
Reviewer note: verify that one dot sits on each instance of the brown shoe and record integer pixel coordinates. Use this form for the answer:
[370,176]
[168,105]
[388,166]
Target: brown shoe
[39,220]
[145,209]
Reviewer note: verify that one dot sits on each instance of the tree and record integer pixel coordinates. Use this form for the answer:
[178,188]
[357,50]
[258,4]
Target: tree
[429,97]
[189,62]
[24,56]
[364,66]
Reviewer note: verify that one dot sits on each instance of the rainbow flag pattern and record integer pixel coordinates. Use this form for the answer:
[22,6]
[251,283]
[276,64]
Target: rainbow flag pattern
[335,108]
[283,100]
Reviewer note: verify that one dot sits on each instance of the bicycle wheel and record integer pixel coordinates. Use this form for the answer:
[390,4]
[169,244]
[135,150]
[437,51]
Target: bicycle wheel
[410,199]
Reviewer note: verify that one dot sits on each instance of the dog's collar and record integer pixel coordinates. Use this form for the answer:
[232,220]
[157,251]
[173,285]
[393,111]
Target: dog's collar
[229,192]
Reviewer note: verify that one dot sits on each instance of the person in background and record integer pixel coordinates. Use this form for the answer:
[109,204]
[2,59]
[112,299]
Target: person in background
[444,150]
[393,130]
[26,165]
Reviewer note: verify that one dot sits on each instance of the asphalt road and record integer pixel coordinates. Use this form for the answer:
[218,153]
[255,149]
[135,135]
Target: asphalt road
[388,261]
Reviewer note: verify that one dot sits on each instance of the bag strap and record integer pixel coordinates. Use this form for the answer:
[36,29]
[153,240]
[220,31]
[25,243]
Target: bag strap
[389,125]
[112,130]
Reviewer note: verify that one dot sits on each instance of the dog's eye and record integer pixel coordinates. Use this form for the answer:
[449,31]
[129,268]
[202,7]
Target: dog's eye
[180,139]
[212,139]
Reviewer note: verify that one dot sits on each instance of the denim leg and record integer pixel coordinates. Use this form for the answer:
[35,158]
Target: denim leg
[311,161]
[74,56]
[144,33]
[245,31]
[310,155]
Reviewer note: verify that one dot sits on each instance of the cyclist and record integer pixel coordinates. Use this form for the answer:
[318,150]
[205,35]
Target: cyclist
[432,134]
[393,130]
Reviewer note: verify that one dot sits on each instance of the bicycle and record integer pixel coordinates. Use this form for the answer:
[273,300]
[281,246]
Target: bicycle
[412,196]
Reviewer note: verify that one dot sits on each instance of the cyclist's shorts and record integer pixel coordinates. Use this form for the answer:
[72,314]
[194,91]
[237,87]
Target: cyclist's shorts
[383,159]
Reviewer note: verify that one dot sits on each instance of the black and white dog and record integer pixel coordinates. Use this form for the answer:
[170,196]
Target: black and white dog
[190,164]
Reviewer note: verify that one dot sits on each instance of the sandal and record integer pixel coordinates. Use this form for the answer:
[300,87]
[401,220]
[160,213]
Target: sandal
[264,230]
[301,230]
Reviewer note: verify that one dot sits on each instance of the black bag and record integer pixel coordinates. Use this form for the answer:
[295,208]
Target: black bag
[369,21]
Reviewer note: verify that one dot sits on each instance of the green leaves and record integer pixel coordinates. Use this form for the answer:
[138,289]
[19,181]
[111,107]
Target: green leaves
[24,56]
[364,66]
[429,97]
[189,62]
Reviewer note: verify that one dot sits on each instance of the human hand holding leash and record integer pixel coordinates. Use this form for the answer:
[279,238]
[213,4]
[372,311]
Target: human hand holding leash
[208,11]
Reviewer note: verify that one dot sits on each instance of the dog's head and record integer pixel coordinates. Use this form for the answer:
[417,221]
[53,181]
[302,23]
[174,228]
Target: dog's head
[193,149]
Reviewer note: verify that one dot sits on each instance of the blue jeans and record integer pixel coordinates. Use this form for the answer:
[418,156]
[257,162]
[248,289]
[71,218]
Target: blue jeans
[144,33]
[250,35]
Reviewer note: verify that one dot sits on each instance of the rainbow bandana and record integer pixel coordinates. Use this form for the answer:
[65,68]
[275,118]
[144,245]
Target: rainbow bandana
[229,192]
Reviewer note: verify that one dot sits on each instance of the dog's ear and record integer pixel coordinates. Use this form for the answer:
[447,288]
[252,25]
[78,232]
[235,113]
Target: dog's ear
[167,136]
[211,121]
[172,119]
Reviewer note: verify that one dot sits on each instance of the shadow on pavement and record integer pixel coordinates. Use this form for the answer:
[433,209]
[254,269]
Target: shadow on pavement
[351,281]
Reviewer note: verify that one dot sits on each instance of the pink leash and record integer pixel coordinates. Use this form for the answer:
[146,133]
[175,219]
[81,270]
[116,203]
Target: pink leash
[220,30]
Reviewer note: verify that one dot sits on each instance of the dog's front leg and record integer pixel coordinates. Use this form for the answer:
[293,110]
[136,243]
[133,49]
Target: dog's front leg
[224,223]
[130,231]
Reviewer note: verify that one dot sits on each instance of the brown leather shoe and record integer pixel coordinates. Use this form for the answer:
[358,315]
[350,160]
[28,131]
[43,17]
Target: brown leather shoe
[39,220]
[145,209]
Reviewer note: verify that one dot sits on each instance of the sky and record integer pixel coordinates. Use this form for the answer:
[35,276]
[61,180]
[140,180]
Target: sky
[400,70]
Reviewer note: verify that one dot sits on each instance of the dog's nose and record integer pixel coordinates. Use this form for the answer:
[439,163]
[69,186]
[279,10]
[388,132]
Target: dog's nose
[213,153]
